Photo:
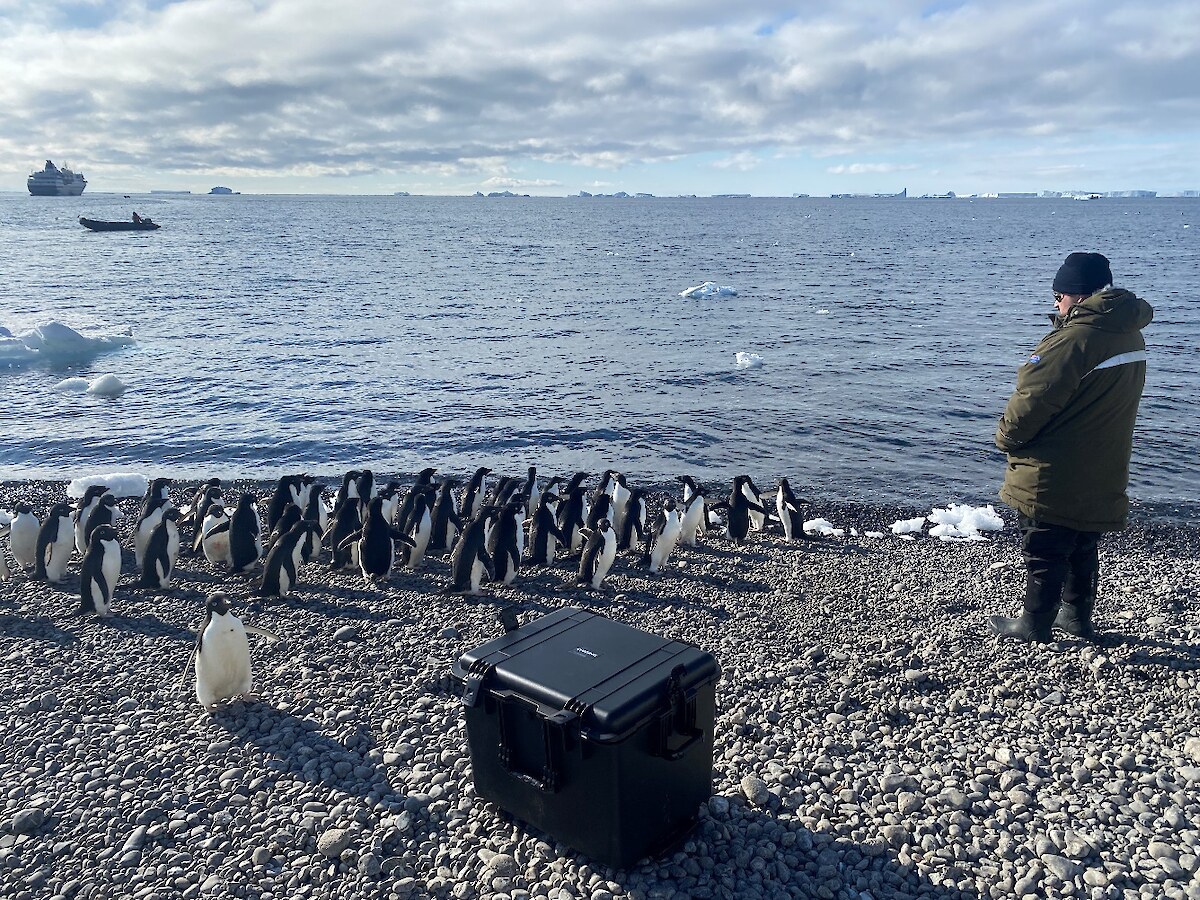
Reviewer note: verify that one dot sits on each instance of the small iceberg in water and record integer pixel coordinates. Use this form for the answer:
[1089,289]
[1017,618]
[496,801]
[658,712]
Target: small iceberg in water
[106,386]
[75,385]
[56,342]
[747,360]
[709,289]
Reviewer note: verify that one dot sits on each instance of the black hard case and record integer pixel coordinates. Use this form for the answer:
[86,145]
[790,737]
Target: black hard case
[595,732]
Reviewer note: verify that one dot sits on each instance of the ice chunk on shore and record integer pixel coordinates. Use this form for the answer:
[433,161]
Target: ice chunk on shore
[709,289]
[823,526]
[79,385]
[748,360]
[908,526]
[960,522]
[56,342]
[122,484]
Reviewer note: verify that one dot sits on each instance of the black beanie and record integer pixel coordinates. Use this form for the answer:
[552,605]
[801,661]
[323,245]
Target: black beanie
[1083,273]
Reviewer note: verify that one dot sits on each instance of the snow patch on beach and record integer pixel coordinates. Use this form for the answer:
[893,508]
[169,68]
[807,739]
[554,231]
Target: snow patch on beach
[709,289]
[122,484]
[56,342]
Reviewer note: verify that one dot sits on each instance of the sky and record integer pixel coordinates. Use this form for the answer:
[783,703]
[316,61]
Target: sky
[553,97]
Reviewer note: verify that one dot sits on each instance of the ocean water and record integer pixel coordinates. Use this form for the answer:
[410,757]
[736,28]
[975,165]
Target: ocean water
[318,333]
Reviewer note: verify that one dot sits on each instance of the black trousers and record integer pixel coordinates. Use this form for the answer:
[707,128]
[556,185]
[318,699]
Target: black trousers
[1062,566]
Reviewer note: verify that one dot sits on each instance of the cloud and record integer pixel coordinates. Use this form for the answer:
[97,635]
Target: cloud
[870,168]
[376,88]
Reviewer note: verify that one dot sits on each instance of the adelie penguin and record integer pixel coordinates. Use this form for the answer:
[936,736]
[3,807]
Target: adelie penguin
[694,519]
[349,488]
[54,542]
[544,534]
[87,505]
[632,533]
[738,508]
[666,536]
[470,560]
[315,510]
[213,536]
[419,527]
[787,506]
[472,501]
[288,490]
[376,550]
[509,537]
[198,514]
[23,535]
[99,571]
[446,521]
[222,655]
[347,519]
[153,506]
[290,516]
[106,513]
[598,554]
[759,517]
[162,552]
[245,535]
[422,485]
[284,559]
[572,517]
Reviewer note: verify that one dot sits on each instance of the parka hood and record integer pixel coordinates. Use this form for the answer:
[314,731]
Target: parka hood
[1112,309]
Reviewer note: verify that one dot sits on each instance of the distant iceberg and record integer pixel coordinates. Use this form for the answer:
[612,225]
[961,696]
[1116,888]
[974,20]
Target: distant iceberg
[747,360]
[709,289]
[56,342]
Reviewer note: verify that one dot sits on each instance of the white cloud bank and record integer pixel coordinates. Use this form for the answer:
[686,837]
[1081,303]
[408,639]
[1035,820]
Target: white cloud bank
[461,89]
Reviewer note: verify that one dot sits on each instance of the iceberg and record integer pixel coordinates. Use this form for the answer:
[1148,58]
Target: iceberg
[748,360]
[709,289]
[56,342]
[106,386]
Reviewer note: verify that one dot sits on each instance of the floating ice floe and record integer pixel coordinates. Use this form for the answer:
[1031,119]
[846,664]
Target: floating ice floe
[107,386]
[748,360]
[122,484]
[56,342]
[78,385]
[709,289]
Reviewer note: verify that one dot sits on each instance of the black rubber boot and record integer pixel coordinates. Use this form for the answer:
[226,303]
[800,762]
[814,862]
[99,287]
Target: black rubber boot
[1076,619]
[1022,628]
[1041,606]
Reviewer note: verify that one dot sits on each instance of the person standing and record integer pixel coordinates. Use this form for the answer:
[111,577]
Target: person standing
[1068,433]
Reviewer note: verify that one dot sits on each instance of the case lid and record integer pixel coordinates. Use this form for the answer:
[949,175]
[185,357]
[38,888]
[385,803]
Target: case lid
[611,675]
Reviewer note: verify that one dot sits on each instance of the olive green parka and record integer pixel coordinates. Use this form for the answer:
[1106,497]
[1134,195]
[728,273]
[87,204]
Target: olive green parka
[1068,427]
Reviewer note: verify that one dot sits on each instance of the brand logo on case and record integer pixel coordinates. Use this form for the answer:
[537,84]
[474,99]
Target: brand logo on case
[584,651]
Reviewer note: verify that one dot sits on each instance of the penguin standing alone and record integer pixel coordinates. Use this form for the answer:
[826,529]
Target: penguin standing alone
[222,655]
[99,571]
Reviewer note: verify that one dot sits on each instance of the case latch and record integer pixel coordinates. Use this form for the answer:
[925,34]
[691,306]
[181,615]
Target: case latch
[476,676]
[677,730]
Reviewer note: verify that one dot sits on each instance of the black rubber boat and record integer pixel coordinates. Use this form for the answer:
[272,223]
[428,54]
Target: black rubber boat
[97,225]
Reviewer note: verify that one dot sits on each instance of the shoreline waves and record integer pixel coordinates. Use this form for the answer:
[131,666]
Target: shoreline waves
[871,740]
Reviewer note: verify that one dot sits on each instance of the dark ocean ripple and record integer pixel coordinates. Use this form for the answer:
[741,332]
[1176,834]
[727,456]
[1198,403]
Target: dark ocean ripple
[319,333]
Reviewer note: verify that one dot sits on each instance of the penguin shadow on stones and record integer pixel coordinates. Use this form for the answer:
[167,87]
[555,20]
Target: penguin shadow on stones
[35,629]
[1152,651]
[643,600]
[329,601]
[297,747]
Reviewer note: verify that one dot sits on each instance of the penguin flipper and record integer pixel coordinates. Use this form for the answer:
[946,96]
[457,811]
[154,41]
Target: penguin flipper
[262,632]
[349,541]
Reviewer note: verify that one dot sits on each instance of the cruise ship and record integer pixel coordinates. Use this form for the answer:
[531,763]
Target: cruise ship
[55,182]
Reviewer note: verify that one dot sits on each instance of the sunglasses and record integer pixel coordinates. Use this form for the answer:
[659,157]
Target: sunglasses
[1058,297]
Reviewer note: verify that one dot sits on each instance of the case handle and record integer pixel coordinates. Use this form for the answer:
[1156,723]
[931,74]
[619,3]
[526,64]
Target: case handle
[554,742]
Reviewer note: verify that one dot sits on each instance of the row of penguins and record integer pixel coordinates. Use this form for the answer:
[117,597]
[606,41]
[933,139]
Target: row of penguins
[486,530]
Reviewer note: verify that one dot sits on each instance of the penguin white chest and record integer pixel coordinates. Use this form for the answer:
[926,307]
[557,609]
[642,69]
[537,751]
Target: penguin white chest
[223,662]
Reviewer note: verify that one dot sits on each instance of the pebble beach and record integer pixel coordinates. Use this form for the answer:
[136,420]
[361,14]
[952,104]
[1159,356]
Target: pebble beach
[872,739]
